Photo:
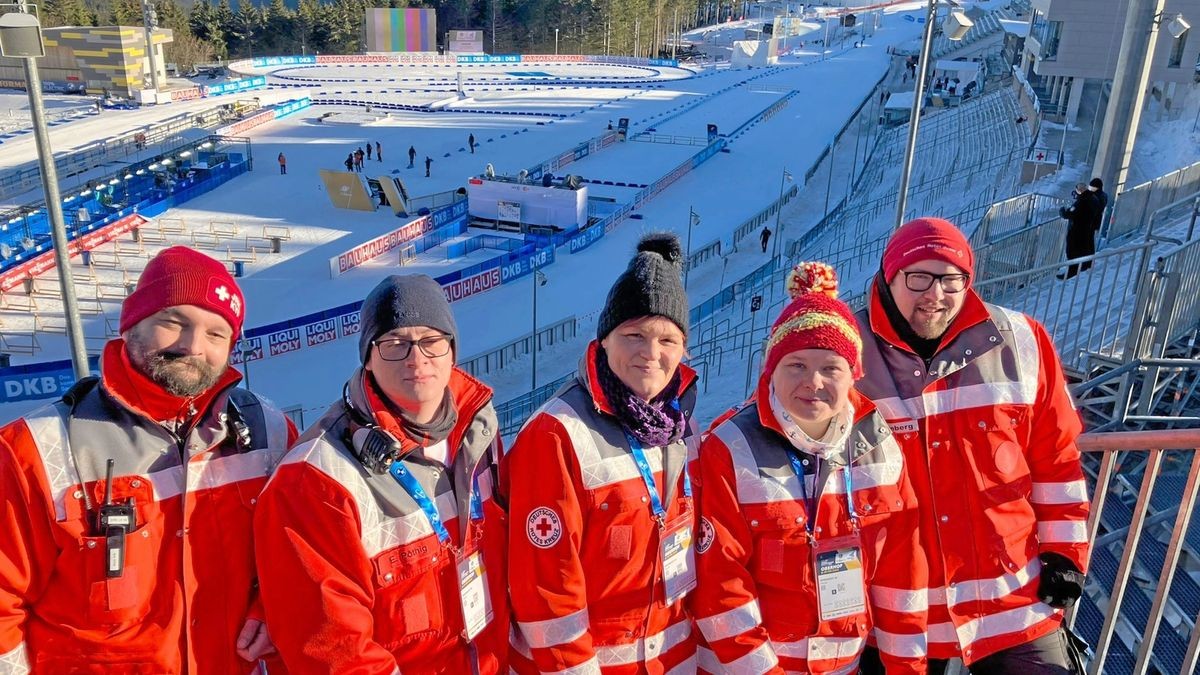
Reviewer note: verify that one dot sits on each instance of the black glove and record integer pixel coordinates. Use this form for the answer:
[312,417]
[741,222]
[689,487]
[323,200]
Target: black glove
[1061,583]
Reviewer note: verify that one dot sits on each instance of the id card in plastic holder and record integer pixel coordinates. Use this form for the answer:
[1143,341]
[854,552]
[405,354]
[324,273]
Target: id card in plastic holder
[841,581]
[473,594]
[678,559]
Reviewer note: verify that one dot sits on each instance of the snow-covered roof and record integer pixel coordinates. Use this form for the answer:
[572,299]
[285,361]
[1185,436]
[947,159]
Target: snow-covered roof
[963,70]
[1018,28]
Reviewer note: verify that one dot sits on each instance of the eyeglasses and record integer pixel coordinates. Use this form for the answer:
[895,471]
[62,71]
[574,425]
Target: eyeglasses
[397,349]
[919,282]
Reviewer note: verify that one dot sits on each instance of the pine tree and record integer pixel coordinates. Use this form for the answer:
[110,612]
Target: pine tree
[66,13]
[280,25]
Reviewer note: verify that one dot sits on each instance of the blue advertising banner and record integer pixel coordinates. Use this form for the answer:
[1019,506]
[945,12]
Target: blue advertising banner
[40,380]
[485,58]
[585,239]
[260,62]
[515,269]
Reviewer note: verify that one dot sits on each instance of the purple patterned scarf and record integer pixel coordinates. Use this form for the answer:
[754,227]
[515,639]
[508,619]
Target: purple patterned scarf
[656,423]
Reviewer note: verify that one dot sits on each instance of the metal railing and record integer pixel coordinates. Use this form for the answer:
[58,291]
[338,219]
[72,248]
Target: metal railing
[497,359]
[1090,312]
[1147,452]
[134,143]
[1014,214]
[1133,206]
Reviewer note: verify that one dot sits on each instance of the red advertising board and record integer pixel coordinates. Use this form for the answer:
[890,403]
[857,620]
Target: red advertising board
[247,124]
[185,94]
[367,251]
[34,267]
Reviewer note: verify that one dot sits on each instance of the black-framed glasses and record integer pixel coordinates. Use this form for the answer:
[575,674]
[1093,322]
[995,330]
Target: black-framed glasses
[919,282]
[398,349]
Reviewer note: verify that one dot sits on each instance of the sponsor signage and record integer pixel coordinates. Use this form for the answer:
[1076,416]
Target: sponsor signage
[256,120]
[585,239]
[502,58]
[466,41]
[321,332]
[516,269]
[472,285]
[378,246]
[349,324]
[247,349]
[284,341]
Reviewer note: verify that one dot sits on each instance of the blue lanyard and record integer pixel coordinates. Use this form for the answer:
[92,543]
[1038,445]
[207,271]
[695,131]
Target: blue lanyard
[639,458]
[418,494]
[810,505]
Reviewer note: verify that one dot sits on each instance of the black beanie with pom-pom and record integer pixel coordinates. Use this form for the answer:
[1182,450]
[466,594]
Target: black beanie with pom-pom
[652,285]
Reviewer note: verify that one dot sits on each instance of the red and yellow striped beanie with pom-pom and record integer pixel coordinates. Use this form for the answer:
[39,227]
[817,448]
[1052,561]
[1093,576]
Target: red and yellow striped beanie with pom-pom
[815,319]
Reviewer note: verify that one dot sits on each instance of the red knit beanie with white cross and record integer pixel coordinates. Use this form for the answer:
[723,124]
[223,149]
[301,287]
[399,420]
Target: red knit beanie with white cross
[182,276]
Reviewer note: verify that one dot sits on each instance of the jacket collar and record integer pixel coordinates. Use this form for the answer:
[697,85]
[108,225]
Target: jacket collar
[973,313]
[468,396]
[137,392]
[590,378]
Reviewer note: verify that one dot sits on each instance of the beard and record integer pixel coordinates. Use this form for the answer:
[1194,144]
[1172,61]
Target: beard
[180,375]
[930,327]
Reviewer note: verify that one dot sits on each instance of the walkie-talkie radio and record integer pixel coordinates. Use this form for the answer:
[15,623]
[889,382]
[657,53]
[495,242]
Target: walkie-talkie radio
[115,522]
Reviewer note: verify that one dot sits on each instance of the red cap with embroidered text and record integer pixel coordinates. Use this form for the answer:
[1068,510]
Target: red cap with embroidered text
[927,239]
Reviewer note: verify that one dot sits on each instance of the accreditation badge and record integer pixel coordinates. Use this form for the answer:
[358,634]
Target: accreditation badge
[473,593]
[841,582]
[678,559]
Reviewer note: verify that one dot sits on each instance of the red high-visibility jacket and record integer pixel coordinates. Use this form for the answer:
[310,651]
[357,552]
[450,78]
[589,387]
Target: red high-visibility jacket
[188,583]
[756,604]
[988,431]
[585,573]
[355,580]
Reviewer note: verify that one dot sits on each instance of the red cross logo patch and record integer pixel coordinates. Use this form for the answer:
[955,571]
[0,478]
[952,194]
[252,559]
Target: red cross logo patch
[707,535]
[543,527]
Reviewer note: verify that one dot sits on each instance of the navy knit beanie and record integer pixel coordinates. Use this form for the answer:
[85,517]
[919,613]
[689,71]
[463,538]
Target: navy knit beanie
[404,301]
[652,285]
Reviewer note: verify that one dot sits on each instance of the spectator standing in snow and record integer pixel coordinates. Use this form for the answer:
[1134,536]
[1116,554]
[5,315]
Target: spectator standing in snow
[282,164]
[378,152]
[1096,186]
[412,156]
[349,162]
[764,237]
[471,143]
[368,151]
[428,163]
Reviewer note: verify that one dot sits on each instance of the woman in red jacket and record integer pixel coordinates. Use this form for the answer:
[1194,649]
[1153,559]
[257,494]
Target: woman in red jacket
[601,520]
[802,495]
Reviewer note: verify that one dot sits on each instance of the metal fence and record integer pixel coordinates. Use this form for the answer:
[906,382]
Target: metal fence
[497,359]
[1091,312]
[1115,614]
[1014,214]
[1133,207]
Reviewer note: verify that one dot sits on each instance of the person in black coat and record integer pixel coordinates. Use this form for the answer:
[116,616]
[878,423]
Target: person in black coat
[1082,217]
[1096,187]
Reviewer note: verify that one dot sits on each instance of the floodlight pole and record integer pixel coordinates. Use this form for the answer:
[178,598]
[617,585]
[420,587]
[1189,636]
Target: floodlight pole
[914,118]
[58,230]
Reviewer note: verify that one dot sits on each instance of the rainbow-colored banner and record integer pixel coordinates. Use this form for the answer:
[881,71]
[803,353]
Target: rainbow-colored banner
[401,30]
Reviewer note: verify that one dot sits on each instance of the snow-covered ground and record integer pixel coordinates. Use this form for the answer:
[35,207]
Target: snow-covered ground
[725,191]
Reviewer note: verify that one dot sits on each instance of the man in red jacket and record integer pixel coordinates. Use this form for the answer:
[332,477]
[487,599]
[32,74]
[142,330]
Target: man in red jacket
[125,508]
[382,548]
[976,396]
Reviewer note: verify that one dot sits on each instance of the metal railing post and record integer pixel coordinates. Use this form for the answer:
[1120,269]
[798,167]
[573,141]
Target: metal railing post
[1125,567]
[1168,571]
